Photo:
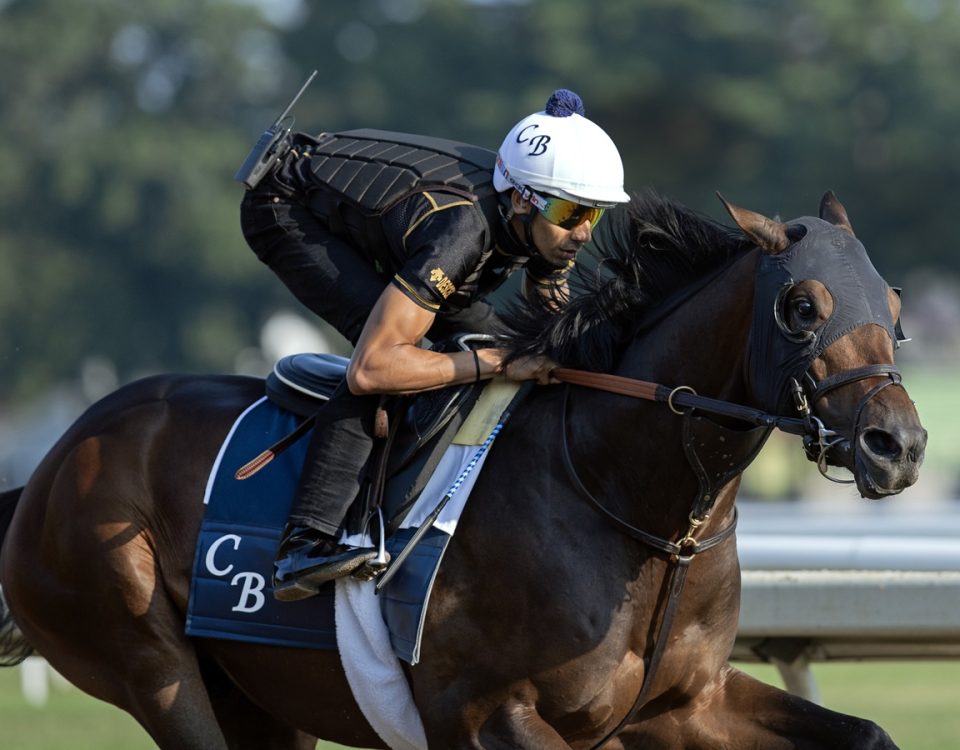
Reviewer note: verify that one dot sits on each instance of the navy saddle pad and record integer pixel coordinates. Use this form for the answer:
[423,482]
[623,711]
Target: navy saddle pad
[231,594]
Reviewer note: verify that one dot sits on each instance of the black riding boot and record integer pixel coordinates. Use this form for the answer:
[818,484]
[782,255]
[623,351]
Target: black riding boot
[310,552]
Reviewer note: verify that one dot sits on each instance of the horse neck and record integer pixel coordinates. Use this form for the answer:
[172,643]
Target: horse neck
[703,343]
[634,450]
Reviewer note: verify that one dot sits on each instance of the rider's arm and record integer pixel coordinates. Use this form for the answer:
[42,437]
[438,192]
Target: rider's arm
[387,358]
[442,246]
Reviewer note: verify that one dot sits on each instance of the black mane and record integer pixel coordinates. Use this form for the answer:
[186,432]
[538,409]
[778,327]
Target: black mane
[640,254]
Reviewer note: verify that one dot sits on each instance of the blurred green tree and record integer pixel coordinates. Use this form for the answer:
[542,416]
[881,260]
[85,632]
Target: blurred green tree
[124,123]
[119,219]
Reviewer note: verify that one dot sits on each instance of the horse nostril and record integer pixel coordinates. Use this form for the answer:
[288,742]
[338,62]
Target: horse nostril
[917,445]
[881,444]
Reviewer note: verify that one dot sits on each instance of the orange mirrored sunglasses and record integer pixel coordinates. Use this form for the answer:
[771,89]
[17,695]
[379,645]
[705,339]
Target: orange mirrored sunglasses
[566,214]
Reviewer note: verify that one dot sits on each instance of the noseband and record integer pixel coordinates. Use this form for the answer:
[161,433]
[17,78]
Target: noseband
[818,439]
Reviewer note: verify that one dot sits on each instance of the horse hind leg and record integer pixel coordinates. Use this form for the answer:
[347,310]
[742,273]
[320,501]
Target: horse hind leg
[82,577]
[243,724]
[181,701]
[141,664]
[93,603]
[13,647]
[740,711]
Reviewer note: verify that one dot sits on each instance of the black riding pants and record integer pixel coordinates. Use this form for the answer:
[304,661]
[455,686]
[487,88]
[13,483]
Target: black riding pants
[338,284]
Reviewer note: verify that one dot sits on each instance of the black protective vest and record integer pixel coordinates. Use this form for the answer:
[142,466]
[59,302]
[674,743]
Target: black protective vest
[353,177]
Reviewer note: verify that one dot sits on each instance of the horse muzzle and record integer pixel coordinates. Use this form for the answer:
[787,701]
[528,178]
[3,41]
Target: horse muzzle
[885,444]
[887,459]
[884,460]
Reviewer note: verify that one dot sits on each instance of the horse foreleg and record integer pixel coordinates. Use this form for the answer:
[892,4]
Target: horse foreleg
[739,711]
[514,724]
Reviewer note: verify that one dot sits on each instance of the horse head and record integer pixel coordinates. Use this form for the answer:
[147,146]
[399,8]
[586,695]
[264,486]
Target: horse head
[825,328]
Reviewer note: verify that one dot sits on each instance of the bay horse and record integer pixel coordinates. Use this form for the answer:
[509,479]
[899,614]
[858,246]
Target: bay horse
[559,618]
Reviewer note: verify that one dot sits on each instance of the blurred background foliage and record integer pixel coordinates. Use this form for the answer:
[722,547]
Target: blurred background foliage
[124,123]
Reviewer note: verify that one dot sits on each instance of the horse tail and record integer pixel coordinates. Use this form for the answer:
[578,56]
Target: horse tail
[8,504]
[13,646]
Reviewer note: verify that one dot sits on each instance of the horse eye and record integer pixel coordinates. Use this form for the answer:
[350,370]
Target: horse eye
[804,308]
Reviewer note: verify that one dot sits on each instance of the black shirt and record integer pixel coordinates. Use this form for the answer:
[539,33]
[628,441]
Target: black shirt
[438,241]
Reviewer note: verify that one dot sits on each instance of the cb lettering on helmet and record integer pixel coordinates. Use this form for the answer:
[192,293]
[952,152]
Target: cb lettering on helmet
[538,143]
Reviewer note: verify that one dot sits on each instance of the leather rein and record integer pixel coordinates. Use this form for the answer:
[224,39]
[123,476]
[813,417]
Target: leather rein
[683,400]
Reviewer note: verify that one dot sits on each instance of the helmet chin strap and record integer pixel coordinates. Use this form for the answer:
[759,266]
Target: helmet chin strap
[527,221]
[506,214]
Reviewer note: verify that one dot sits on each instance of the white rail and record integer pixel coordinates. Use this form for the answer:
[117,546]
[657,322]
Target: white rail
[847,586]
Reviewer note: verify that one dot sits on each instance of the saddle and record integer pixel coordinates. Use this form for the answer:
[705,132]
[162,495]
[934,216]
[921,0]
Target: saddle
[420,428]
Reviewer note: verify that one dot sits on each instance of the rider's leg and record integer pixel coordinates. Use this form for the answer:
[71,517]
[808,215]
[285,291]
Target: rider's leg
[310,553]
[332,279]
[336,457]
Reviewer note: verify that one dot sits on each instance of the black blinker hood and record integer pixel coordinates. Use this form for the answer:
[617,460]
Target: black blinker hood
[839,261]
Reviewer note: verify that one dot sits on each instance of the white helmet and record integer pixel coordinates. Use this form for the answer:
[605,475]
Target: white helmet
[561,152]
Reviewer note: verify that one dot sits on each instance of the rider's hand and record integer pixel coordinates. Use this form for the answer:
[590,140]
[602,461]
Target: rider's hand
[531,368]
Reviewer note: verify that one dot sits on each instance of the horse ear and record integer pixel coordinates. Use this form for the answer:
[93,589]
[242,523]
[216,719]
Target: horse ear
[832,210]
[769,235]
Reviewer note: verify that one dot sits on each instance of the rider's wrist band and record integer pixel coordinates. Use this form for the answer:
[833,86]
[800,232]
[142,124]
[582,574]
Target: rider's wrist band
[476,364]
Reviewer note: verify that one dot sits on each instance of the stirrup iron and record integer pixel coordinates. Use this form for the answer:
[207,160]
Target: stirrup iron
[373,568]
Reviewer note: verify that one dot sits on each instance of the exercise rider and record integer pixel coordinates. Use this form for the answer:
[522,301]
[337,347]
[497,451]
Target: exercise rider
[415,266]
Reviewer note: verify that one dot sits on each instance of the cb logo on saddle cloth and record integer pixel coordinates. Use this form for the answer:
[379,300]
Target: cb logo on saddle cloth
[251,583]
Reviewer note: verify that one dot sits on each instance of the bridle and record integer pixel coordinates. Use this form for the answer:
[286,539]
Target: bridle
[805,391]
